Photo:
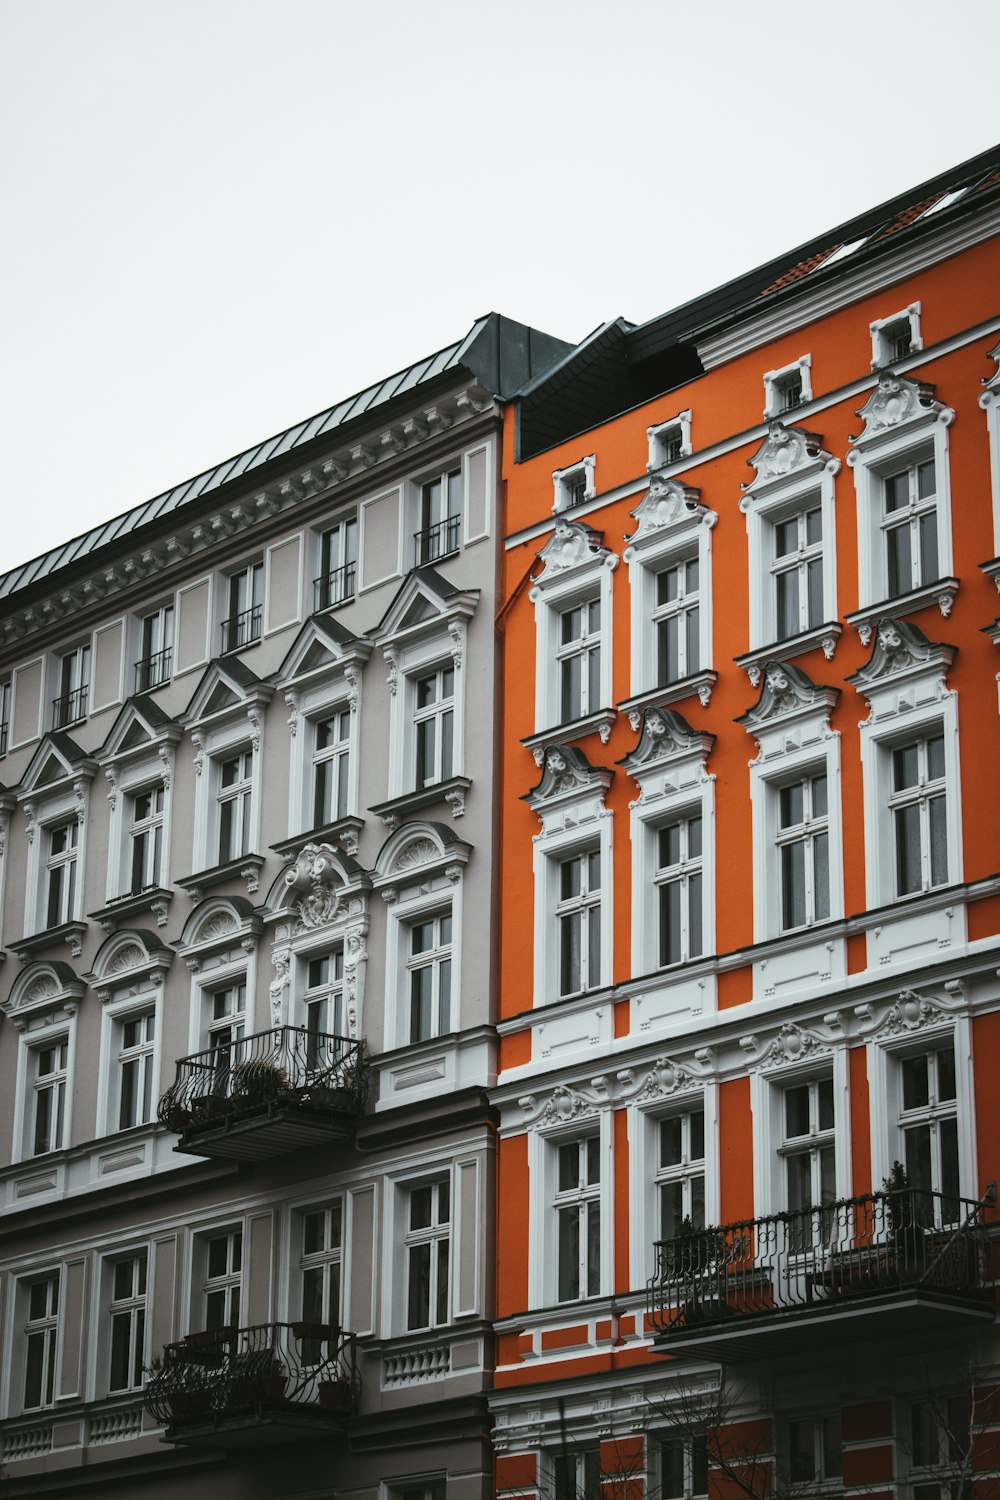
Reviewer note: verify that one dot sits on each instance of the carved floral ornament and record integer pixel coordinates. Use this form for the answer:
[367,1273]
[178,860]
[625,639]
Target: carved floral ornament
[567,773]
[665,737]
[991,383]
[667,505]
[43,991]
[901,650]
[571,546]
[787,693]
[315,884]
[897,402]
[785,451]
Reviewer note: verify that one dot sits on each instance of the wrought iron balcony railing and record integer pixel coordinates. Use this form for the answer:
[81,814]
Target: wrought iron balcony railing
[242,629]
[70,708]
[334,588]
[822,1259]
[439,540]
[232,1376]
[269,1078]
[153,671]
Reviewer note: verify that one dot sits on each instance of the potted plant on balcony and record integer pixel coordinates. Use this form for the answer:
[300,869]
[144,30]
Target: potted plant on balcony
[257,1376]
[906,1234]
[336,1393]
[255,1083]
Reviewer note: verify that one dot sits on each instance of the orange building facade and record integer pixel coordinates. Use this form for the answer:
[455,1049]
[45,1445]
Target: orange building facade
[749,890]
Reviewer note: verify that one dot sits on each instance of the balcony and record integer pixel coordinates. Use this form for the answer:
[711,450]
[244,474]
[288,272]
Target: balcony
[867,1268]
[270,1383]
[70,708]
[153,671]
[334,588]
[242,629]
[265,1095]
[434,542]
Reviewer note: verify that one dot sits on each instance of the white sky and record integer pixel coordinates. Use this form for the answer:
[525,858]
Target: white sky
[223,215]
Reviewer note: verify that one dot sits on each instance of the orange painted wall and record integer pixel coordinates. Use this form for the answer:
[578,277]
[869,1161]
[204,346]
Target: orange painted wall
[735,1151]
[512,1225]
[861,1134]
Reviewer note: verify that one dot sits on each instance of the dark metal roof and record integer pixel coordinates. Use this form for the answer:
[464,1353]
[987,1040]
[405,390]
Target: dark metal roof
[500,353]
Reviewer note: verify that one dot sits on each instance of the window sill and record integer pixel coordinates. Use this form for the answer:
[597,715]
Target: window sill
[825,636]
[699,684]
[942,593]
[452,792]
[156,899]
[247,867]
[345,831]
[68,932]
[578,729]
[992,570]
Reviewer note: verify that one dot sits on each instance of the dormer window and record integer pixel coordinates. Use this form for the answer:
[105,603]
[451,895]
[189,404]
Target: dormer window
[788,388]
[573,485]
[895,337]
[669,442]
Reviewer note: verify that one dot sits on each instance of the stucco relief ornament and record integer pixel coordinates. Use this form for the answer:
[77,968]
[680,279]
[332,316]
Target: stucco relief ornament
[166,755]
[112,776]
[792,1044]
[566,1104]
[312,880]
[282,963]
[415,854]
[784,450]
[392,662]
[29,813]
[666,1077]
[666,503]
[126,958]
[910,1013]
[570,545]
[896,401]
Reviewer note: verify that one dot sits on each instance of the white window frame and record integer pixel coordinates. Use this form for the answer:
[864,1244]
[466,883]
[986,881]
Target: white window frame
[904,682]
[683,1095]
[224,958]
[62,872]
[669,765]
[336,540]
[576,570]
[685,1440]
[218,736]
[543,1194]
[46,803]
[672,527]
[777,383]
[225,1283]
[128,980]
[43,1005]
[791,724]
[5,702]
[160,625]
[820,1482]
[246,577]
[144,1056]
[574,1205]
[885,1054]
[72,671]
[574,485]
[330,1255]
[580,909]
[664,437]
[431,960]
[321,905]
[415,890]
[903,425]
[767,1103]
[135,1309]
[130,773]
[313,693]
[426,553]
[883,331]
[438,1232]
[575,822]
[57,1081]
[49,1327]
[793,475]
[240,795]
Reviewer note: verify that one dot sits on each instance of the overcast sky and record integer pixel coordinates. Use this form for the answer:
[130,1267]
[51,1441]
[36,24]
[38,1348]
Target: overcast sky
[223,215]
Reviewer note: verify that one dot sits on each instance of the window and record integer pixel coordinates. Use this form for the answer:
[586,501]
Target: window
[40,1334]
[683,1468]
[433,1490]
[128,1323]
[909,527]
[680,1172]
[814,1450]
[895,337]
[221,1287]
[4,716]
[573,485]
[244,596]
[49,1063]
[919,812]
[338,561]
[429,968]
[331,766]
[145,834]
[235,774]
[578,1219]
[227,1020]
[941,1439]
[576,1473]
[156,649]
[427,1248]
[579,656]
[928,1120]
[669,442]
[319,1265]
[73,677]
[788,388]
[807,1150]
[678,880]
[60,872]
[676,621]
[797,572]
[434,726]
[803,844]
[136,1038]
[578,921]
[323,1003]
[440,518]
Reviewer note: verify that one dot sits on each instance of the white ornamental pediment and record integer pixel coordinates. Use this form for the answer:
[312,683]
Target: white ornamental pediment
[895,404]
[567,775]
[665,737]
[786,453]
[572,547]
[787,692]
[901,650]
[667,506]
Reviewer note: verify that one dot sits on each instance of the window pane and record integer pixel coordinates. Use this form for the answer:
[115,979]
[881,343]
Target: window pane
[593,1249]
[937,816]
[418,1300]
[694,916]
[898,560]
[907,828]
[821,877]
[824,1103]
[793,893]
[927,532]
[916,1083]
[671,1209]
[569,1167]
[797,1111]
[569,1253]
[945,1074]
[670,922]
[671,1133]
[791,801]
[935,757]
